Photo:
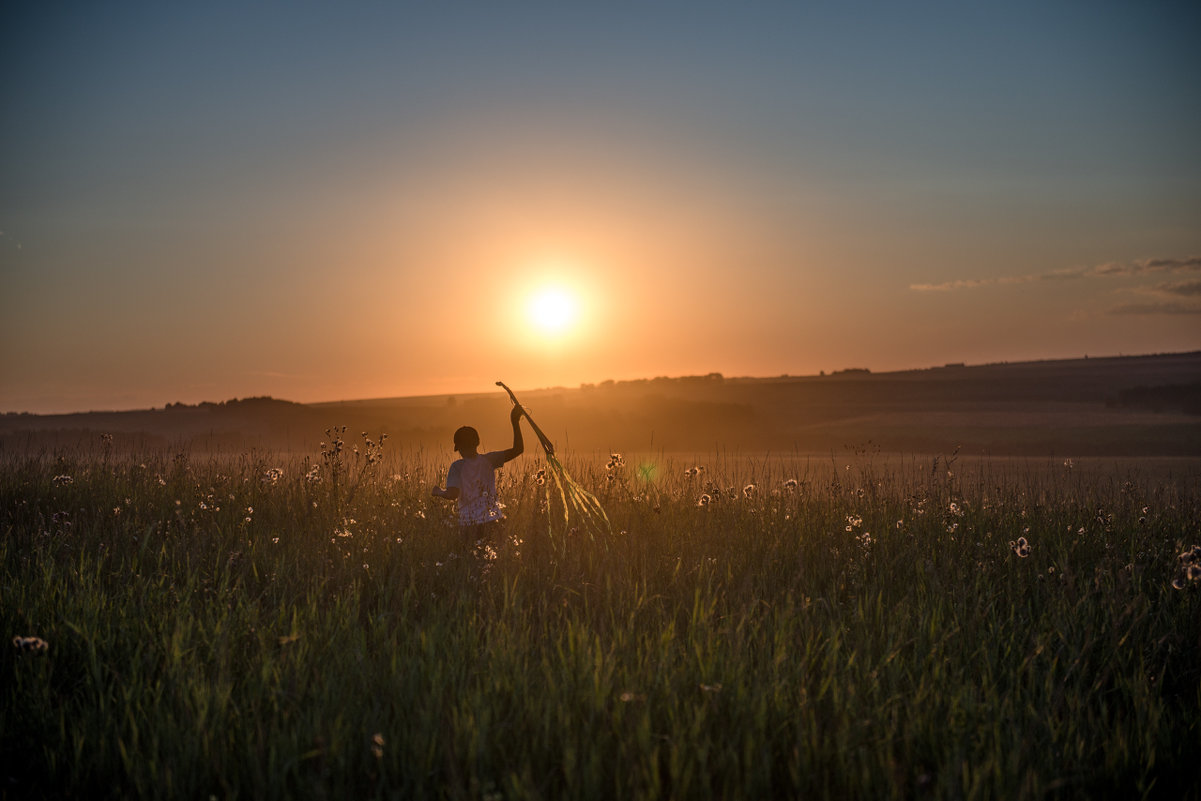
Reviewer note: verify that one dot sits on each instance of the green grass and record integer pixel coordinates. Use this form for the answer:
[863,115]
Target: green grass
[215,631]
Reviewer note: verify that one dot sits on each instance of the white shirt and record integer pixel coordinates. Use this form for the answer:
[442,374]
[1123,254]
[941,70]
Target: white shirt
[476,480]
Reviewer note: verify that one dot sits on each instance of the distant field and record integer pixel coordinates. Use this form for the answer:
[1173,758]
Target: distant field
[1128,407]
[861,626]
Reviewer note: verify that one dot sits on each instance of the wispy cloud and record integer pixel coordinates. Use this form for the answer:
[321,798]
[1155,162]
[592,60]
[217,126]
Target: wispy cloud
[1185,288]
[972,283]
[1155,308]
[1108,270]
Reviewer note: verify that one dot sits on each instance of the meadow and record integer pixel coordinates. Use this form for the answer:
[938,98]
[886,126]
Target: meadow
[261,626]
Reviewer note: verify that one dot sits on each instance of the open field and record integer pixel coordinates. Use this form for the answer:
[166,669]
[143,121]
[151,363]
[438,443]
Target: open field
[258,626]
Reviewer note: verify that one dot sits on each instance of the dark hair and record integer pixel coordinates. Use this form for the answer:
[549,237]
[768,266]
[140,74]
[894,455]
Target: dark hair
[466,437]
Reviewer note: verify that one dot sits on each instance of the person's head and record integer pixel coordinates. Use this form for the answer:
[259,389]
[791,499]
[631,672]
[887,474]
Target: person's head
[467,440]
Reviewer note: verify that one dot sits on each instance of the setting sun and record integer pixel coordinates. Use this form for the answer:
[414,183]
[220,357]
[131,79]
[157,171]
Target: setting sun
[552,310]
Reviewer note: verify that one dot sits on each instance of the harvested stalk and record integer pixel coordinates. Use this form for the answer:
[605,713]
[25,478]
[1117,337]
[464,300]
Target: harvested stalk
[570,501]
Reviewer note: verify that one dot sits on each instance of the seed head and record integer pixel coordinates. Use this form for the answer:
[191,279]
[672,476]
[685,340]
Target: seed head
[30,645]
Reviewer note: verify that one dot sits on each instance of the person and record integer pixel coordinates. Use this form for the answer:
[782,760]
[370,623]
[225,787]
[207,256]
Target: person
[471,481]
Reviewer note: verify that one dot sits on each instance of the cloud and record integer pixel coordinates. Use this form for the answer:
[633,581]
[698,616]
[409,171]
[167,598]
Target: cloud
[1107,270]
[1155,308]
[1142,266]
[1185,288]
[1192,263]
[950,286]
[972,283]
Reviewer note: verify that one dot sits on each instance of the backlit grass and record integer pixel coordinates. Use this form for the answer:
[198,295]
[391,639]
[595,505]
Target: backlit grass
[256,627]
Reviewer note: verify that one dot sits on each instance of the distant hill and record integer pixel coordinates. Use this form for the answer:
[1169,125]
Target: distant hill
[1121,406]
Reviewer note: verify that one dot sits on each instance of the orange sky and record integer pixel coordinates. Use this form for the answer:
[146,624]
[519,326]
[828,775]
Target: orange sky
[359,205]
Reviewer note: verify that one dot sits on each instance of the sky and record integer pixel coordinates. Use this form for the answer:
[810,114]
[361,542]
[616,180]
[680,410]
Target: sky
[322,201]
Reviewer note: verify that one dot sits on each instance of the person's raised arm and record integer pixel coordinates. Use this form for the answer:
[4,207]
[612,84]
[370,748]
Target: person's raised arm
[518,443]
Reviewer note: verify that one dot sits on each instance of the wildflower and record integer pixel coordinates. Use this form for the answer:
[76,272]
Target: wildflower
[1021,547]
[1194,572]
[704,500]
[30,645]
[377,745]
[748,491]
[616,460]
[1069,464]
[1178,583]
[62,481]
[955,509]
[711,688]
[628,697]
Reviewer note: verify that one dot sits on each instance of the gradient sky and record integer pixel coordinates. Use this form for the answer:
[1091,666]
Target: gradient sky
[323,201]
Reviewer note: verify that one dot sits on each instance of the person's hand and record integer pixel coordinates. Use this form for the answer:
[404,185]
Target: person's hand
[516,414]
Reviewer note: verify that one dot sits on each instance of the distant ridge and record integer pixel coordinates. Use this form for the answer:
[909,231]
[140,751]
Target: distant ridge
[1115,405]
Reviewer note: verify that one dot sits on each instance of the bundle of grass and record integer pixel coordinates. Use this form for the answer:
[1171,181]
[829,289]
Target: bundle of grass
[569,505]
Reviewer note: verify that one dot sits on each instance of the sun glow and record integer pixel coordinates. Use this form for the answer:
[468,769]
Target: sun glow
[552,310]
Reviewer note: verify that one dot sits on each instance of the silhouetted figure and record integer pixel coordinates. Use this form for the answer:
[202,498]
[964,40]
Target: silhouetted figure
[471,481]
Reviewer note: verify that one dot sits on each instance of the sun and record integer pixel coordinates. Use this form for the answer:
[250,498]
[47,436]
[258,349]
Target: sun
[552,310]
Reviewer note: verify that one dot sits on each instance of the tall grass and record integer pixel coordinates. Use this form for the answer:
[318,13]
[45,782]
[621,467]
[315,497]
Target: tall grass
[252,627]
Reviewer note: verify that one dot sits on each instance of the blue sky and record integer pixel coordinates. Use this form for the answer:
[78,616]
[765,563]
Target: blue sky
[318,201]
